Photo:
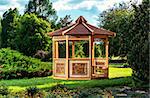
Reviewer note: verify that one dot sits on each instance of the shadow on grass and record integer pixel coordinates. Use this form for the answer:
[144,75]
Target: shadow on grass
[121,81]
[102,83]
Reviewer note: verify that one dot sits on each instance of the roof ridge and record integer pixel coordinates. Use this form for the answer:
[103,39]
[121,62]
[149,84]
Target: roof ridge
[84,24]
[65,31]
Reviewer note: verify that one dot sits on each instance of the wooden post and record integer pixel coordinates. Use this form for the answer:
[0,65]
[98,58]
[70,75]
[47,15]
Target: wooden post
[106,45]
[67,57]
[90,56]
[57,50]
[73,49]
[53,47]
[93,56]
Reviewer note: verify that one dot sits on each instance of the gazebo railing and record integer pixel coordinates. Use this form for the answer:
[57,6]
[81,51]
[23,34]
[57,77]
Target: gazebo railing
[81,67]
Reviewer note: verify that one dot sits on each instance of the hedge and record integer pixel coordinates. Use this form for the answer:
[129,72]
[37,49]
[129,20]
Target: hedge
[15,65]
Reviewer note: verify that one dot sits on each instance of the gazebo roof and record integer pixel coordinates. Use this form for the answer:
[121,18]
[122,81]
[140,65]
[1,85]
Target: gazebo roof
[81,27]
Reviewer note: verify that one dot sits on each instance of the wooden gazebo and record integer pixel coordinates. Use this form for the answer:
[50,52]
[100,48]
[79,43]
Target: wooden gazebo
[70,67]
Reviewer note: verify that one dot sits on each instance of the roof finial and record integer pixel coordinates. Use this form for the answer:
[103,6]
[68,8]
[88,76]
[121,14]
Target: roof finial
[80,20]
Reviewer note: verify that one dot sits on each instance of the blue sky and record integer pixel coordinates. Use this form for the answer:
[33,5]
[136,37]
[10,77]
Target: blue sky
[90,9]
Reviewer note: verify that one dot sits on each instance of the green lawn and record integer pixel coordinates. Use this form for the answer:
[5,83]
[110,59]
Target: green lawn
[117,77]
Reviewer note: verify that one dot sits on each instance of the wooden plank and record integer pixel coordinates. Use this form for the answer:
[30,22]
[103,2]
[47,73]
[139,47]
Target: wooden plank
[90,55]
[106,46]
[56,77]
[93,56]
[59,58]
[73,49]
[100,36]
[80,78]
[67,56]
[57,50]
[78,39]
[78,36]
[53,46]
[79,59]
[59,39]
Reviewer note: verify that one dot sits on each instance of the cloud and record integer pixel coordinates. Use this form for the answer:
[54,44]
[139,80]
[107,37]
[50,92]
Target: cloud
[7,4]
[86,4]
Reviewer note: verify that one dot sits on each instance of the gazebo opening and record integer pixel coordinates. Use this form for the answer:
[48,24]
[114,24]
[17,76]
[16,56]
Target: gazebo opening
[80,51]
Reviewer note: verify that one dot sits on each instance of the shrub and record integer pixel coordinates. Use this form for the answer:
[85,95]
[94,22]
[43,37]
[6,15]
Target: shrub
[15,65]
[31,91]
[4,90]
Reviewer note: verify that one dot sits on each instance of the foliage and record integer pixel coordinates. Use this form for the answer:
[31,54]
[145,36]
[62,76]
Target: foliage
[4,90]
[138,56]
[31,91]
[9,25]
[79,49]
[99,49]
[26,33]
[63,22]
[14,65]
[42,8]
[32,35]
[118,19]
[0,33]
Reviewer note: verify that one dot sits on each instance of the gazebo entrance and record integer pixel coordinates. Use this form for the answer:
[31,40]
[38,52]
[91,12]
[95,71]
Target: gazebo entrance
[69,66]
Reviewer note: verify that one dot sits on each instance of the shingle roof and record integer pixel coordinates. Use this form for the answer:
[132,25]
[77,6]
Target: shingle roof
[81,27]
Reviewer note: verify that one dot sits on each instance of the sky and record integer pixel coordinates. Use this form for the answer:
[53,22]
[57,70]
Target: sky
[90,9]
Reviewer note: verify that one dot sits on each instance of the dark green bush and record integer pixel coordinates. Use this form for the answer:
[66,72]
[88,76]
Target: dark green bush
[31,91]
[4,90]
[15,65]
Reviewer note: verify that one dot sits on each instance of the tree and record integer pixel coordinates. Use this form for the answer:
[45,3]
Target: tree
[63,22]
[117,19]
[0,32]
[42,8]
[138,56]
[32,35]
[9,27]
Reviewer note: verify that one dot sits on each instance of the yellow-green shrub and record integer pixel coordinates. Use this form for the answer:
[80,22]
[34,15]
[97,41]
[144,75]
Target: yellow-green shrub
[15,65]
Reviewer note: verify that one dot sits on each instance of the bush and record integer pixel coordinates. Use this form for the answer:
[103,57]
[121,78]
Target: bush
[4,90]
[15,65]
[31,91]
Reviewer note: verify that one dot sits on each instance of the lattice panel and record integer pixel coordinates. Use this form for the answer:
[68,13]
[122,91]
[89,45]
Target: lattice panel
[79,68]
[100,63]
[60,68]
[98,70]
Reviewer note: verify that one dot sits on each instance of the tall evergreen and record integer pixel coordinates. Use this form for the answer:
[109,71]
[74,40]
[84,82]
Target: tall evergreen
[42,8]
[138,56]
[9,27]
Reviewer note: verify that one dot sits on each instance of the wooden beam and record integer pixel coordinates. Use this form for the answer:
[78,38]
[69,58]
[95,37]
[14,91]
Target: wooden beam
[57,50]
[93,56]
[53,47]
[100,36]
[106,46]
[67,58]
[73,49]
[90,56]
[78,39]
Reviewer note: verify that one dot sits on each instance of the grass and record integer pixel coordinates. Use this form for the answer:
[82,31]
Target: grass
[117,77]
